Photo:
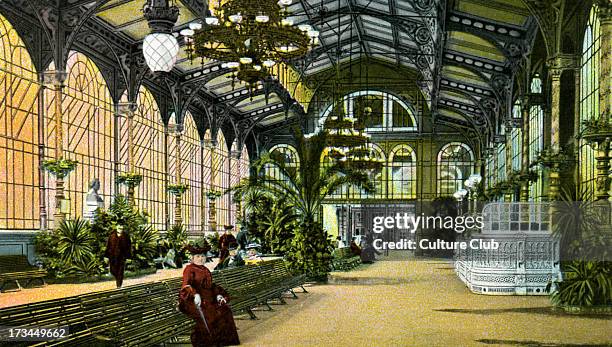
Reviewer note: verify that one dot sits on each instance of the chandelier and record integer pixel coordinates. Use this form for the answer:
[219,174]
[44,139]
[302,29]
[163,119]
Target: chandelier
[349,145]
[249,37]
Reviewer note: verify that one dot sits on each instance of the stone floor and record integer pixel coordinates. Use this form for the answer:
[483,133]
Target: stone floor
[417,303]
[397,302]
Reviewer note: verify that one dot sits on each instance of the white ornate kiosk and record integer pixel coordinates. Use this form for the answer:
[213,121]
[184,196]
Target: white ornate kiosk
[527,257]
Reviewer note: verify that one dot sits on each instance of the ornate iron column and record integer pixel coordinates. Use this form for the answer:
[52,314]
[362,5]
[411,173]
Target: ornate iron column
[509,195]
[128,109]
[525,150]
[212,208]
[42,140]
[605,99]
[556,66]
[56,80]
[177,132]
[202,189]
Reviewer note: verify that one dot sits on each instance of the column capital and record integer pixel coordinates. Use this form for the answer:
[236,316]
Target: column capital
[524,101]
[561,62]
[127,109]
[53,78]
[176,129]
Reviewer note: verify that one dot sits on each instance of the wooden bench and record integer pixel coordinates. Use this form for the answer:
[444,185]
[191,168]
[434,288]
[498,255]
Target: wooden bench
[250,286]
[15,269]
[146,314]
[344,260]
[65,312]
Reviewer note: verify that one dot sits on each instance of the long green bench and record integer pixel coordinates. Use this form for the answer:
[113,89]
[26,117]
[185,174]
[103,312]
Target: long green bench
[16,270]
[146,314]
[344,260]
[252,285]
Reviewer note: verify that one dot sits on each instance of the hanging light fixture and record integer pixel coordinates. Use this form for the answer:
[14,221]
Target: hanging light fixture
[160,47]
[250,37]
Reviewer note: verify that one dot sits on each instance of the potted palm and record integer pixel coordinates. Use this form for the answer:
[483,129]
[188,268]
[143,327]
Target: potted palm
[305,189]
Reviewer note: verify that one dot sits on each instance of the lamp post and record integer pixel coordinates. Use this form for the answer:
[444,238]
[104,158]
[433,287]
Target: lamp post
[472,187]
[459,195]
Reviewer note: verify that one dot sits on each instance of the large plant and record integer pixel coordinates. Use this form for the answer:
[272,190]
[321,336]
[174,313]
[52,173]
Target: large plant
[70,250]
[272,222]
[588,283]
[583,228]
[311,251]
[144,246]
[305,189]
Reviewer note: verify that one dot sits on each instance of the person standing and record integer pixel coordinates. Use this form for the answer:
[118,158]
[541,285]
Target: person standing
[226,241]
[242,238]
[118,250]
[207,304]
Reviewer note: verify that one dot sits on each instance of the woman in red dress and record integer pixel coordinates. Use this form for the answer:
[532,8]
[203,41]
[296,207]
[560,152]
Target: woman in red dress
[206,303]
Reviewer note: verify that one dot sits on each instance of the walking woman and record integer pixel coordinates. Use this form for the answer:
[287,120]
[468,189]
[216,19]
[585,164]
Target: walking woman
[207,304]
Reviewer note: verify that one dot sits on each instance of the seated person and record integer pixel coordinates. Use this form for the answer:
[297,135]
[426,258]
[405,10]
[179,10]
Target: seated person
[234,259]
[368,254]
[339,242]
[207,304]
[355,249]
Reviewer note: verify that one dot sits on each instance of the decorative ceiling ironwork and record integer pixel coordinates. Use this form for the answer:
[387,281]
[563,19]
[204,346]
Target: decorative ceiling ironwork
[467,52]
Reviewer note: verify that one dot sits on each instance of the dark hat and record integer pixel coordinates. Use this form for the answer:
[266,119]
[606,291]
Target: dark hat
[198,248]
[253,246]
[228,227]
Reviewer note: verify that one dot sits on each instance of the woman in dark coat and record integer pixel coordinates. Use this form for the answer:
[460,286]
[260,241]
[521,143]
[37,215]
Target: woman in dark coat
[226,241]
[206,303]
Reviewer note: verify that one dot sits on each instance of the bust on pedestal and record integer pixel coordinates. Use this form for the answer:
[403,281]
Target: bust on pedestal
[93,201]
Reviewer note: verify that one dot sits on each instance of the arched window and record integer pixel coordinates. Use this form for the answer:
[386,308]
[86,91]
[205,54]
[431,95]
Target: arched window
[516,137]
[192,175]
[378,111]
[88,122]
[536,137]
[455,164]
[589,96]
[19,169]
[402,173]
[149,155]
[286,154]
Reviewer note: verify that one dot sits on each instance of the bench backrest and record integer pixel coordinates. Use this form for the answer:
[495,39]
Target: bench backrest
[115,309]
[15,263]
[65,312]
